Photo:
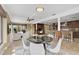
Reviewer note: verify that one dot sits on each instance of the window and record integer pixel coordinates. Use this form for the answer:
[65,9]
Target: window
[18,27]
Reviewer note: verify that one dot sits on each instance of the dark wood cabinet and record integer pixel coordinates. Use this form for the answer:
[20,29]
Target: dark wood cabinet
[73,24]
[40,29]
[75,34]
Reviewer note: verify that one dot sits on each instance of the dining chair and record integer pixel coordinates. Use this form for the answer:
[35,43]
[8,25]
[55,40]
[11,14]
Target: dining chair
[57,47]
[36,49]
[25,42]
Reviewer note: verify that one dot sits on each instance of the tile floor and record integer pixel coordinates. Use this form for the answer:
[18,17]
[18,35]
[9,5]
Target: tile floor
[68,48]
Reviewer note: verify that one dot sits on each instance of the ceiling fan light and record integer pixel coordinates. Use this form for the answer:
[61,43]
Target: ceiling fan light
[39,9]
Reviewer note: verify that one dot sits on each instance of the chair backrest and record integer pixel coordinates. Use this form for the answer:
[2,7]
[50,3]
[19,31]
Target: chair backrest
[36,49]
[15,36]
[24,39]
[23,43]
[20,35]
[26,35]
[58,46]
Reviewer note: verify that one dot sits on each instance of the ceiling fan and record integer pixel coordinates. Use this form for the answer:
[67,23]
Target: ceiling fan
[29,19]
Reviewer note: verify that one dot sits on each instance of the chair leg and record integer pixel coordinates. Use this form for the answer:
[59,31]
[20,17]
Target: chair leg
[44,48]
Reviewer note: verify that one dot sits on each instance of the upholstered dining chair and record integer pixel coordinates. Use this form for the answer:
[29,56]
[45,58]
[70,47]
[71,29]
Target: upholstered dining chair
[57,47]
[36,49]
[25,42]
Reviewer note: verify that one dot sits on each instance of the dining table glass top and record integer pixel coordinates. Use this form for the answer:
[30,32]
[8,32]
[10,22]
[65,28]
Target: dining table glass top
[40,39]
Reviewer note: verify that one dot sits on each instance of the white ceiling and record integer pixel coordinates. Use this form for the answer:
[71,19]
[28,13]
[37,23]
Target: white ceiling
[64,19]
[70,17]
[22,11]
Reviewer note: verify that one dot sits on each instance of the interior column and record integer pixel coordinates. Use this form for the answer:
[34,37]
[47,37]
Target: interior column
[58,23]
[58,33]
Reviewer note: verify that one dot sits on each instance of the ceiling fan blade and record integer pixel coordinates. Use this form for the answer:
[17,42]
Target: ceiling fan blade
[29,19]
[32,15]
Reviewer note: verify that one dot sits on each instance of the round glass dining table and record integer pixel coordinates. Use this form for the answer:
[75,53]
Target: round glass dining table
[40,39]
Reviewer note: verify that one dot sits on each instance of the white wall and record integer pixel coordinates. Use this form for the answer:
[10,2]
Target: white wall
[18,20]
[0,29]
[4,30]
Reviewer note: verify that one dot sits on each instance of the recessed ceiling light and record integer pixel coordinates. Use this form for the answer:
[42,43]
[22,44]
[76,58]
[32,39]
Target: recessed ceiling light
[39,9]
